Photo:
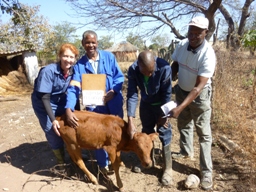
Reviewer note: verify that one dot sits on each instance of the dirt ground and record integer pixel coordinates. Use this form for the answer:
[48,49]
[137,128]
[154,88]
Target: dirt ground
[27,161]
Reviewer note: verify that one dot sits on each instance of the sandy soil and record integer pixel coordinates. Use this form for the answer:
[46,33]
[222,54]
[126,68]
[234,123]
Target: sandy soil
[27,162]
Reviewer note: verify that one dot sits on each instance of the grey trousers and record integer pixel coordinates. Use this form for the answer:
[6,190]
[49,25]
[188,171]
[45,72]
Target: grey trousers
[197,114]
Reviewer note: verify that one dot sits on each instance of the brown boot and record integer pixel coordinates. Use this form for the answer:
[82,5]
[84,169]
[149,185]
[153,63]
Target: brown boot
[167,168]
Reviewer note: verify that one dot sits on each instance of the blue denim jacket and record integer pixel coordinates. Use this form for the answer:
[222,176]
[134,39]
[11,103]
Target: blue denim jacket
[159,87]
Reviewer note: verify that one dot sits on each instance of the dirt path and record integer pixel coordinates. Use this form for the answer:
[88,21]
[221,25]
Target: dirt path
[26,161]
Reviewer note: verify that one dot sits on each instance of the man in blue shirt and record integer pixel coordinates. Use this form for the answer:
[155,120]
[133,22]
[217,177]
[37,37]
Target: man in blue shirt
[152,76]
[96,62]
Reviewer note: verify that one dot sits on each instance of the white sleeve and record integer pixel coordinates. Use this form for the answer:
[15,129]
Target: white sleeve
[207,67]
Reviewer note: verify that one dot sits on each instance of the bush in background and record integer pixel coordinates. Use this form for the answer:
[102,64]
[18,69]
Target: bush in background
[234,105]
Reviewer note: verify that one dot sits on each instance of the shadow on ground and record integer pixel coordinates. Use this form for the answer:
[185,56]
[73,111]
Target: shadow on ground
[38,159]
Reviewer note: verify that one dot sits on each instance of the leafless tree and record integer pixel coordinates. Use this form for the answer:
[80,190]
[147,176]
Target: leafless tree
[120,15]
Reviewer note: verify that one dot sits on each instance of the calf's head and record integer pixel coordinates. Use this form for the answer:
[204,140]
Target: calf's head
[142,144]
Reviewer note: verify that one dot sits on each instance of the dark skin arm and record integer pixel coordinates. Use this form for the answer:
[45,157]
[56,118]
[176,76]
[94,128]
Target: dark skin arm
[200,83]
[131,127]
[109,95]
[175,69]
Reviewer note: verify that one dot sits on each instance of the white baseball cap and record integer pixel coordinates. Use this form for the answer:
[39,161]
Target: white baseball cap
[200,22]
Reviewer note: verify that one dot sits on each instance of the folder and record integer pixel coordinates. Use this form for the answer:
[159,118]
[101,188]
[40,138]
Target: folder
[93,89]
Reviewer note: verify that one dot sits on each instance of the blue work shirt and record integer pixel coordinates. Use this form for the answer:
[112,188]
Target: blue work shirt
[51,80]
[108,65]
[158,88]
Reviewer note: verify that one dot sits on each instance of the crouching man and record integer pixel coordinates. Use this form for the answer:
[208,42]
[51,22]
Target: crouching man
[152,76]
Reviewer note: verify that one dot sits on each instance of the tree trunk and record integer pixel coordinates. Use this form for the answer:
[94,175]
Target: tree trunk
[230,22]
[215,36]
[227,42]
[245,15]
[209,14]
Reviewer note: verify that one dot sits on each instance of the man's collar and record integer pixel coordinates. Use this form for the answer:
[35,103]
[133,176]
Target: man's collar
[189,48]
[195,51]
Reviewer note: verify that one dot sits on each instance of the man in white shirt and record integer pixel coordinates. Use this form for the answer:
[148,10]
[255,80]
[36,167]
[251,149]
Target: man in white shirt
[194,61]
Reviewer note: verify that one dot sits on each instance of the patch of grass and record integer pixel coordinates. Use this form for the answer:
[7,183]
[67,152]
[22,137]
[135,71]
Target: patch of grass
[233,100]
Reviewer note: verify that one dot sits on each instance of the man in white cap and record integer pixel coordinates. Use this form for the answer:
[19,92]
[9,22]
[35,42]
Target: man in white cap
[194,61]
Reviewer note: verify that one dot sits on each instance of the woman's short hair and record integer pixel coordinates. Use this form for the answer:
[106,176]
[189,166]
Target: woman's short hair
[70,46]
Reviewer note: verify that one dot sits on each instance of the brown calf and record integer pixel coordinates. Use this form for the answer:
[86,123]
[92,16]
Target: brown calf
[109,132]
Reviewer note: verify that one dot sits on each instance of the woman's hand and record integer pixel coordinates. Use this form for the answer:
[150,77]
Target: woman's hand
[56,126]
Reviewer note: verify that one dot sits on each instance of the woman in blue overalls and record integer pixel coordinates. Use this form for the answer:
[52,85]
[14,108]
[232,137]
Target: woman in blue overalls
[49,96]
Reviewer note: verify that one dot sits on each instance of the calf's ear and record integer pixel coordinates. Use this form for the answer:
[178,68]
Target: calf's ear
[153,136]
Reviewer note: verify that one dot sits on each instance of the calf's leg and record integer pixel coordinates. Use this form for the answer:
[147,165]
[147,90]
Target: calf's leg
[76,156]
[115,159]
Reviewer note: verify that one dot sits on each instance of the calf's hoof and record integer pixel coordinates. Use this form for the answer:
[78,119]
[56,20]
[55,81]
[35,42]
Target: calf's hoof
[93,179]
[122,164]
[95,182]
[122,189]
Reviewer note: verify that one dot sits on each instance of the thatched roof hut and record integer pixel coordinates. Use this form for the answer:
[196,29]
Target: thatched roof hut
[124,51]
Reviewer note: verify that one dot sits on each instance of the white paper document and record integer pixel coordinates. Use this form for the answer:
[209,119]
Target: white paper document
[168,107]
[93,97]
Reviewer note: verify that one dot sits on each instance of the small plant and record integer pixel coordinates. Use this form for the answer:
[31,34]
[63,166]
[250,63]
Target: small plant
[249,40]
[247,83]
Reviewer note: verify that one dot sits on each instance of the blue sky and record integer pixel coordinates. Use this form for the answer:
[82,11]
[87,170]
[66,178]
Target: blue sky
[57,11]
[54,10]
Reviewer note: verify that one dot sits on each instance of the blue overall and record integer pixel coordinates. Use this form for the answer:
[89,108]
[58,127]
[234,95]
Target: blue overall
[154,93]
[108,65]
[50,80]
